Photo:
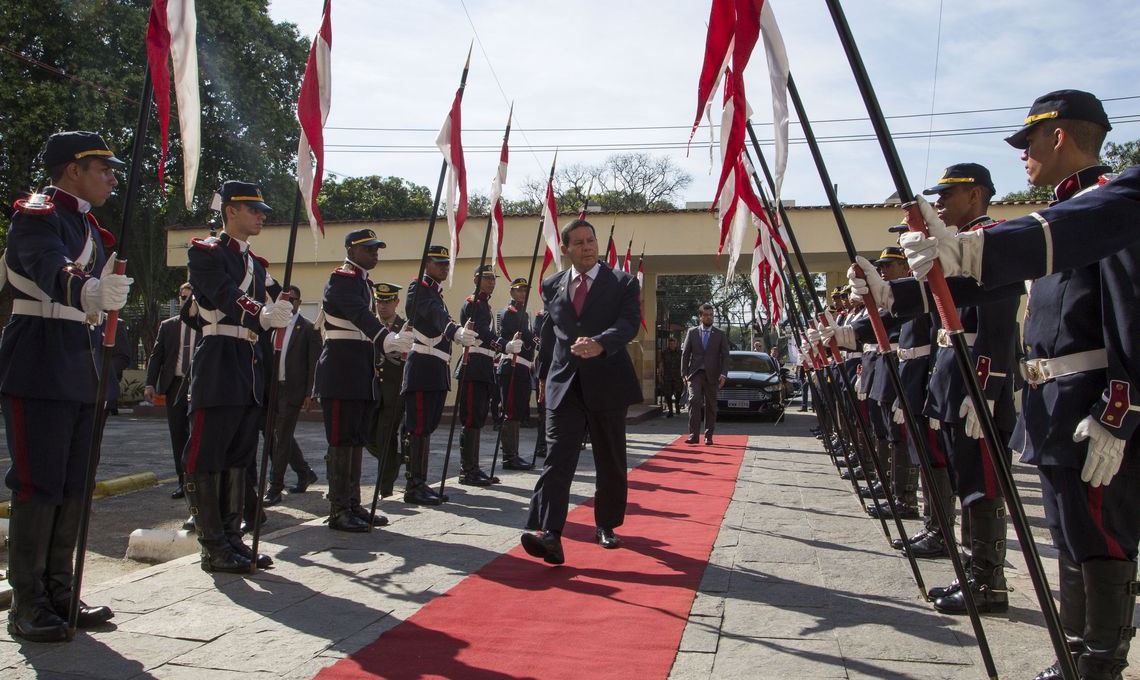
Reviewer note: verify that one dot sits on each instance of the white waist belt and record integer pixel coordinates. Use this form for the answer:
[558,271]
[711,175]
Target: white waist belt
[875,347]
[520,361]
[417,348]
[854,355]
[913,352]
[944,338]
[228,331]
[47,309]
[345,335]
[482,350]
[425,340]
[1040,371]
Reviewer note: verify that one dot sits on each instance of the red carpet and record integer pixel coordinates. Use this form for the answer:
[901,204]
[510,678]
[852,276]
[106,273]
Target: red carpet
[604,614]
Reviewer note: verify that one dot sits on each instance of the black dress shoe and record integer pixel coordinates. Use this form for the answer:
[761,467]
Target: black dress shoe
[708,440]
[263,561]
[546,545]
[366,516]
[606,538]
[475,477]
[865,492]
[986,599]
[929,546]
[304,481]
[88,617]
[178,492]
[882,510]
[344,520]
[936,593]
[897,543]
[517,463]
[272,497]
[37,622]
[693,439]
[421,494]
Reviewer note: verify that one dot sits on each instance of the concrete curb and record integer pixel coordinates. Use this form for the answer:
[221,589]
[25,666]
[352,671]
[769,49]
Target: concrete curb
[155,546]
[125,484]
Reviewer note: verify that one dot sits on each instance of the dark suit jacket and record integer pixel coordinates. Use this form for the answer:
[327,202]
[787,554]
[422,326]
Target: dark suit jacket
[695,357]
[611,316]
[164,356]
[301,361]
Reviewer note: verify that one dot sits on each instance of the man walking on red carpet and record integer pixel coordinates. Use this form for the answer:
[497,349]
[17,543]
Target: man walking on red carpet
[586,379]
[704,366]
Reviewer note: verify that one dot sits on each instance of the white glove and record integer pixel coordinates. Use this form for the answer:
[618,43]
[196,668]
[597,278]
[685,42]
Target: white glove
[859,392]
[1105,452]
[973,424]
[845,336]
[870,282]
[960,255]
[898,417]
[935,424]
[466,336]
[106,293]
[397,342]
[814,336]
[276,315]
[513,346]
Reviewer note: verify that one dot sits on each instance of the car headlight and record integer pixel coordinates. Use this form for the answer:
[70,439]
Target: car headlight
[772,388]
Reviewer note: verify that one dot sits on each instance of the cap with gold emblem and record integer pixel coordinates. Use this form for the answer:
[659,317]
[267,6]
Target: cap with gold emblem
[1060,105]
[890,254]
[386,291]
[520,282]
[75,145]
[962,173]
[438,254]
[485,270]
[246,193]
[362,237]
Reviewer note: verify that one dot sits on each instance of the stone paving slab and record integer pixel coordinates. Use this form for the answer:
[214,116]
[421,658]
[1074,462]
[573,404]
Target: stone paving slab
[799,584]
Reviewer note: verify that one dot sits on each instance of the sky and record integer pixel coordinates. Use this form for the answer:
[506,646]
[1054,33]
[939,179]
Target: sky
[572,66]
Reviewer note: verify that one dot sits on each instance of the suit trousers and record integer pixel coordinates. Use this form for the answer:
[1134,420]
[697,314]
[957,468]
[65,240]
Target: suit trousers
[702,403]
[565,430]
[285,449]
[178,419]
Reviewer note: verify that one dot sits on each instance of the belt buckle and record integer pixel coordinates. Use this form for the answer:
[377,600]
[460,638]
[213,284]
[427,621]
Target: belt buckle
[943,338]
[1033,374]
[250,335]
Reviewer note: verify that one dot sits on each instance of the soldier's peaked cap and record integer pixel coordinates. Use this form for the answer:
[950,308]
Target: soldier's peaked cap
[1060,105]
[75,145]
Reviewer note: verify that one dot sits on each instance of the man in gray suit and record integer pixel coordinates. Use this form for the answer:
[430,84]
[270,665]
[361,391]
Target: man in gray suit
[704,367]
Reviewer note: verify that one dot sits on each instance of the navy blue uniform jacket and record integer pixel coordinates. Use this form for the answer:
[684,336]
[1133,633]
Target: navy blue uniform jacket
[346,368]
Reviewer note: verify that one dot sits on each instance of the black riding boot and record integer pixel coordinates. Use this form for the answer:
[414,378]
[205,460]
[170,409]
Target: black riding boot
[469,473]
[928,542]
[31,617]
[233,510]
[61,564]
[1072,612]
[987,566]
[417,490]
[354,477]
[203,492]
[339,464]
[511,458]
[1110,603]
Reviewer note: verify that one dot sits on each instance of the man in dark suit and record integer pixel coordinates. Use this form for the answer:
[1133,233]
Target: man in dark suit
[704,367]
[586,380]
[302,348]
[168,373]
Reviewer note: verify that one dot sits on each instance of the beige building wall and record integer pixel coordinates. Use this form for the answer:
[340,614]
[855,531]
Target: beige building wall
[675,242]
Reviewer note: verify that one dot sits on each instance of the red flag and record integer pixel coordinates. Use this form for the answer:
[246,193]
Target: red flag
[497,209]
[172,30]
[550,232]
[312,111]
[627,262]
[451,145]
[611,253]
[746,32]
[640,286]
[718,45]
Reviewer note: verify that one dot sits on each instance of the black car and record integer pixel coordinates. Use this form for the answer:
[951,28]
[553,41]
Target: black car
[754,386]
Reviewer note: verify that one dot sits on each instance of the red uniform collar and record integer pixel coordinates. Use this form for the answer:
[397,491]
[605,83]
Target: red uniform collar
[1076,182]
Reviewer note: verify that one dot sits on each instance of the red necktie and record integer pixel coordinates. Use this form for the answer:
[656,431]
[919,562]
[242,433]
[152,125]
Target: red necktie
[580,294]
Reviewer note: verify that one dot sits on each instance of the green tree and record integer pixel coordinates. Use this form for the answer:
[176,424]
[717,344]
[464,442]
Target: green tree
[80,65]
[373,198]
[624,182]
[1031,193]
[1121,156]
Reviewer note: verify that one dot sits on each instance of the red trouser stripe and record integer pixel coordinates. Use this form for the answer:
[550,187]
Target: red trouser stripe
[20,450]
[1096,509]
[937,457]
[191,462]
[335,424]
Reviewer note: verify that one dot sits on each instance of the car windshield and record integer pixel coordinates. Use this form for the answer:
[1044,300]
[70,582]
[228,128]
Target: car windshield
[752,363]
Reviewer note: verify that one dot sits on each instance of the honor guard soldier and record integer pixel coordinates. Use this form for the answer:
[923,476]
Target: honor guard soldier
[346,379]
[384,435]
[62,282]
[426,379]
[515,372]
[478,375]
[228,375]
